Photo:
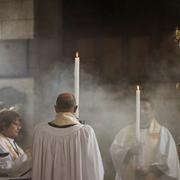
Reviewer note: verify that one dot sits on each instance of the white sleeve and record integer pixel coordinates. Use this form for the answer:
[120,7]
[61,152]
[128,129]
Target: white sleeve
[16,168]
[119,150]
[167,154]
[93,164]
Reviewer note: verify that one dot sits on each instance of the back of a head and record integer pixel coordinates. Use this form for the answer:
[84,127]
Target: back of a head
[65,102]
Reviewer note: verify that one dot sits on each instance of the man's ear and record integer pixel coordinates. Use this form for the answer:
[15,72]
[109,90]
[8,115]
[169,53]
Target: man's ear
[75,108]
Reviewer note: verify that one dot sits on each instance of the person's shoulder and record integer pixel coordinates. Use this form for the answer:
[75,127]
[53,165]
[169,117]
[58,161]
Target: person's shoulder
[87,129]
[2,139]
[166,131]
[128,130]
[40,126]
[167,137]
[129,127]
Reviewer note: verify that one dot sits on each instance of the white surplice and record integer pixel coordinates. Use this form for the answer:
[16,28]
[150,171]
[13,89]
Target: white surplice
[157,148]
[16,163]
[70,153]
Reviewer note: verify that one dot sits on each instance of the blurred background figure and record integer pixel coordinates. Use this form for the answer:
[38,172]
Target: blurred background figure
[15,162]
[153,157]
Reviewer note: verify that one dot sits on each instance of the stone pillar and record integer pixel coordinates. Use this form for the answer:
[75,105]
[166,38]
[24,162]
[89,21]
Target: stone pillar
[45,51]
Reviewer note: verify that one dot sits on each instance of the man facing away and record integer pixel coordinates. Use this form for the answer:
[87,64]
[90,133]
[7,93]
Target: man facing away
[64,148]
[154,157]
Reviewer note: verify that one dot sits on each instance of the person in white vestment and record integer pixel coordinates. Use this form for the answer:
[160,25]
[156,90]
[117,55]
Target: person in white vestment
[65,149]
[14,162]
[154,157]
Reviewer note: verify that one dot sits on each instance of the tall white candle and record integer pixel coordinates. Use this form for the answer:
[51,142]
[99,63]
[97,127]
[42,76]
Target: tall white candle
[138,114]
[76,82]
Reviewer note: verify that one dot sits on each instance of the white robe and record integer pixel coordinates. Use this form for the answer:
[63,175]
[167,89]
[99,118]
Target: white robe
[158,148]
[14,164]
[70,153]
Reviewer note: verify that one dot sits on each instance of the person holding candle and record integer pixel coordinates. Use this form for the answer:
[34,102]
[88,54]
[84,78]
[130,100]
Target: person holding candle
[151,157]
[64,148]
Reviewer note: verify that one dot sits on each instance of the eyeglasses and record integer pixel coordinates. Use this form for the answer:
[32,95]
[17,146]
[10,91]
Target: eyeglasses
[18,124]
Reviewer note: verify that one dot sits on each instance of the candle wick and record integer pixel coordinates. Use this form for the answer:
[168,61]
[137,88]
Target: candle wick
[77,54]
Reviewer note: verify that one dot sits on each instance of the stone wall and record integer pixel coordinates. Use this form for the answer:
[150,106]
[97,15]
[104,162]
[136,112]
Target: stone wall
[16,19]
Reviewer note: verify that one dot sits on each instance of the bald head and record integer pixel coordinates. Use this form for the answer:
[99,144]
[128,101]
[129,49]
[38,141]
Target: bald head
[65,103]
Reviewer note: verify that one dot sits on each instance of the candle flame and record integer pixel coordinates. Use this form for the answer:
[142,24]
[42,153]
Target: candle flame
[137,87]
[77,54]
[177,85]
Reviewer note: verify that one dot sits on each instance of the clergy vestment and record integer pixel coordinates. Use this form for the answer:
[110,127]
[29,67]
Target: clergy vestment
[157,150]
[16,163]
[66,150]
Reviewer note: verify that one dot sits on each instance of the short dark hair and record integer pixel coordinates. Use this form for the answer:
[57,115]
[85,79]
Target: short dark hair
[65,101]
[148,100]
[7,117]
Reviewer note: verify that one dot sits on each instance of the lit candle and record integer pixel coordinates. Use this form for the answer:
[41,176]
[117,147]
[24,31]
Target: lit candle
[138,114]
[76,82]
